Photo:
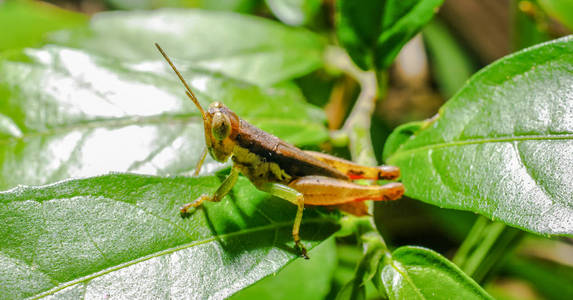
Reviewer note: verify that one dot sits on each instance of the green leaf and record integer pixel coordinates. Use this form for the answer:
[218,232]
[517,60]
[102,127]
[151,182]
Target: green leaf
[529,28]
[226,5]
[374,250]
[68,113]
[30,22]
[503,145]
[451,64]
[243,47]
[302,279]
[419,273]
[243,6]
[562,10]
[294,12]
[400,135]
[373,32]
[121,235]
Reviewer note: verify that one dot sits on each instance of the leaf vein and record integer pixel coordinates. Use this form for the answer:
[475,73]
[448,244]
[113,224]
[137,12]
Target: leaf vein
[538,183]
[480,141]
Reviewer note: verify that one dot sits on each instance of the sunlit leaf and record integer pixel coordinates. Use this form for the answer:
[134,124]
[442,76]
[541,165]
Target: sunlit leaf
[419,273]
[243,47]
[503,145]
[122,236]
[68,113]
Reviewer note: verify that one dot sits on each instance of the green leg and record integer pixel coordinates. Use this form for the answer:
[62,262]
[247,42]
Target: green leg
[200,162]
[293,196]
[223,190]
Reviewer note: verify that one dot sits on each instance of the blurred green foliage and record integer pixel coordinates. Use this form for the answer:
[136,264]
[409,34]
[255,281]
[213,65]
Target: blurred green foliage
[27,24]
[83,95]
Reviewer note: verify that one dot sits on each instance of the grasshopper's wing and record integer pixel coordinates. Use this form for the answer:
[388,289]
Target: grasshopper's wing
[356,171]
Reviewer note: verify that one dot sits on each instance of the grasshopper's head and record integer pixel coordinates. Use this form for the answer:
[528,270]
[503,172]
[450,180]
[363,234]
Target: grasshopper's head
[221,125]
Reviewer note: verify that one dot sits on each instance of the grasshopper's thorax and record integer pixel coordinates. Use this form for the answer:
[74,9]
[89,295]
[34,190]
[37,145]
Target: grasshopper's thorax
[221,126]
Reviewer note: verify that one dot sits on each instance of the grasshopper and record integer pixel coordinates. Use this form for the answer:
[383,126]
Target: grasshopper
[274,166]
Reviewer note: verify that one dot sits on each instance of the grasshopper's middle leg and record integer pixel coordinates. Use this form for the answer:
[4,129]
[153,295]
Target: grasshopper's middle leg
[293,196]
[222,190]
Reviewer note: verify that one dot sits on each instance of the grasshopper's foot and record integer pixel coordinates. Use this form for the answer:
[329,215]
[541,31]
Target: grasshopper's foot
[185,208]
[300,249]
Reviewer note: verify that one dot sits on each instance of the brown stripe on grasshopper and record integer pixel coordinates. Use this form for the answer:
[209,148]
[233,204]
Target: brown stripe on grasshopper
[274,166]
[292,160]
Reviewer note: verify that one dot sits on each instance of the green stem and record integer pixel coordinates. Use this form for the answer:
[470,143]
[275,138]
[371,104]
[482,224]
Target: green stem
[357,125]
[485,245]
[357,129]
[493,231]
[471,240]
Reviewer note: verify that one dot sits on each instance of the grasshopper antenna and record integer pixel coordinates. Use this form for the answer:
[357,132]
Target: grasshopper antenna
[188,91]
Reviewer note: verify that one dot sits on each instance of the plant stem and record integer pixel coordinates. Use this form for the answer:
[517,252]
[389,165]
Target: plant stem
[485,244]
[492,232]
[469,243]
[358,123]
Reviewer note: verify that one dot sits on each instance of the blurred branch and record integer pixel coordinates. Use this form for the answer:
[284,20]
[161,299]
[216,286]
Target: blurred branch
[357,129]
[357,125]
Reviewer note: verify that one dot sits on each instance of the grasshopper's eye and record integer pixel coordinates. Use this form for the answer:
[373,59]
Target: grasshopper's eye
[220,126]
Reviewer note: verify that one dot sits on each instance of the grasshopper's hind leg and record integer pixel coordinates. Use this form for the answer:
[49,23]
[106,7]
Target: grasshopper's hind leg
[325,191]
[222,190]
[296,198]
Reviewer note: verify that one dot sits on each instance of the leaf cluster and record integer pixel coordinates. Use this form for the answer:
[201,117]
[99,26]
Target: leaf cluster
[98,144]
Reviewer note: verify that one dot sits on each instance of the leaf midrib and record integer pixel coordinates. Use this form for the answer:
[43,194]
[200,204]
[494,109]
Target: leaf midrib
[273,226]
[568,136]
[409,280]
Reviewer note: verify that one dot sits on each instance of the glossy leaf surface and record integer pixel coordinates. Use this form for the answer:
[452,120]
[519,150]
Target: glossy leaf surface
[419,273]
[373,32]
[215,41]
[68,113]
[502,146]
[122,236]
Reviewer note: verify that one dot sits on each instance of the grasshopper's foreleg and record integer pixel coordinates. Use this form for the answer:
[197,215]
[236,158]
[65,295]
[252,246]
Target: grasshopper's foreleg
[221,191]
[293,196]
[356,171]
[200,162]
